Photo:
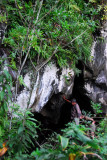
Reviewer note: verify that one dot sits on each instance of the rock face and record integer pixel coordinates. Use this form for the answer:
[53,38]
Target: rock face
[48,87]
[50,81]
[95,73]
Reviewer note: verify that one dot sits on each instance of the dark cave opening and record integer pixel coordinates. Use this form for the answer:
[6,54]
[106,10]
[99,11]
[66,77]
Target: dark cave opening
[48,127]
[78,93]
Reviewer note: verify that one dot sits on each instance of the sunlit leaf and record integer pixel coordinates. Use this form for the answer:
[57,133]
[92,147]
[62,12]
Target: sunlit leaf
[3,150]
[21,128]
[64,142]
[72,156]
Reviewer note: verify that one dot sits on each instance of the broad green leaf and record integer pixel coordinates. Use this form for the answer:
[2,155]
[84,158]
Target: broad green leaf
[1,95]
[7,74]
[87,140]
[70,133]
[61,156]
[20,7]
[64,142]
[93,144]
[21,128]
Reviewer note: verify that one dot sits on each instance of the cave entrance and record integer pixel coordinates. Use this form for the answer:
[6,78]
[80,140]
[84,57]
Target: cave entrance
[79,93]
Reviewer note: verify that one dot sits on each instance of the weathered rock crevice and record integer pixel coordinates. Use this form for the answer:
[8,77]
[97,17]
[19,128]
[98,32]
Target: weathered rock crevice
[79,92]
[96,86]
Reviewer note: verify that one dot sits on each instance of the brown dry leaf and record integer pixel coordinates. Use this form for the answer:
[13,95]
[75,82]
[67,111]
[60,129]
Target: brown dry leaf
[3,150]
[72,156]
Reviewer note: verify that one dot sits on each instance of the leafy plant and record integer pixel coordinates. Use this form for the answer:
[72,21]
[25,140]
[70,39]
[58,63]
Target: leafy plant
[96,107]
[18,128]
[74,144]
[3,18]
[64,24]
[5,90]
[20,133]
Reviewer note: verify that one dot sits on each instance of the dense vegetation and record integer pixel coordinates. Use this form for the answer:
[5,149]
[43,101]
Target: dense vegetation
[48,29]
[40,31]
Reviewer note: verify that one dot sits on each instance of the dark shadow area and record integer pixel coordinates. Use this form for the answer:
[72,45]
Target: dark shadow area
[51,112]
[79,93]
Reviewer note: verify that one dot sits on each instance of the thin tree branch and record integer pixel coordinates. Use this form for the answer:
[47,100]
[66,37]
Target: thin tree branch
[16,88]
[27,35]
[84,157]
[38,144]
[96,155]
[33,27]
[25,59]
[39,53]
[75,38]
[39,11]
[32,63]
[28,29]
[35,7]
[92,154]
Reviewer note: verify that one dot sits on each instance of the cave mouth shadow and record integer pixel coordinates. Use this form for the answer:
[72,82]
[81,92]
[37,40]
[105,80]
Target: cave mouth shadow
[79,93]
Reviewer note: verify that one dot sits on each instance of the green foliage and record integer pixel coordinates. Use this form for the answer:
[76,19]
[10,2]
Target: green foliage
[22,133]
[105,13]
[43,28]
[64,142]
[21,81]
[96,107]
[78,133]
[3,18]
[73,142]
[18,128]
[5,90]
[102,136]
